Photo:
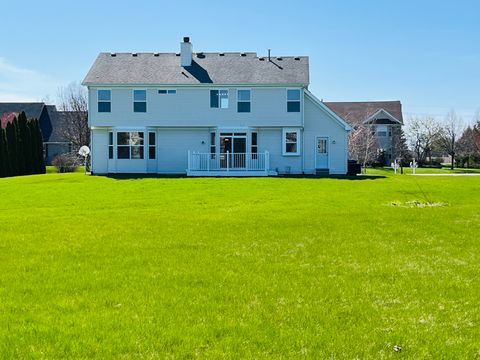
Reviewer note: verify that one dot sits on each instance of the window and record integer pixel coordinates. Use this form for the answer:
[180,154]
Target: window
[130,145]
[152,145]
[104,100]
[219,99]
[293,100]
[381,133]
[167,91]
[243,101]
[254,145]
[291,140]
[213,145]
[139,100]
[110,145]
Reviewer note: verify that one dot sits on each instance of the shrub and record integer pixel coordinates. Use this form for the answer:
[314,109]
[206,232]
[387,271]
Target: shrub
[66,163]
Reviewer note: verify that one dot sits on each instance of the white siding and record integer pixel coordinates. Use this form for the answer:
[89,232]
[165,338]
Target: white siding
[100,151]
[173,146]
[319,123]
[191,107]
[271,140]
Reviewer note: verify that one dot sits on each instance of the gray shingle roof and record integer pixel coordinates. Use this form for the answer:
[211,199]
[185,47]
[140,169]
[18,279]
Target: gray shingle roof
[207,68]
[32,110]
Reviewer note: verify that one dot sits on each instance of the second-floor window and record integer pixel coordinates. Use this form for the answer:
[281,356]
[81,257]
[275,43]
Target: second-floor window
[243,101]
[219,99]
[139,100]
[293,100]
[104,100]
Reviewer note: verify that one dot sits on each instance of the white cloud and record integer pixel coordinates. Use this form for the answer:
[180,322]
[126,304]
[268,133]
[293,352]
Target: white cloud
[19,84]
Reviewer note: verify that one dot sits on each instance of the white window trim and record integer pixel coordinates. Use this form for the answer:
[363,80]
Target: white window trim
[287,101]
[244,101]
[219,102]
[110,101]
[284,141]
[133,100]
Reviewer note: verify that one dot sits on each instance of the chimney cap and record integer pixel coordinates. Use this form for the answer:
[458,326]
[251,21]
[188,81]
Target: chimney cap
[186,39]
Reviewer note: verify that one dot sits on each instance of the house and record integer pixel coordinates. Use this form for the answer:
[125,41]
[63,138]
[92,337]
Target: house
[51,123]
[214,114]
[383,117]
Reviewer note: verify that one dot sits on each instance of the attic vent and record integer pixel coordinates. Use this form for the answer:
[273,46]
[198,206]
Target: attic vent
[134,54]
[261,59]
[297,58]
[156,54]
[221,54]
[113,54]
[201,55]
[243,54]
[279,59]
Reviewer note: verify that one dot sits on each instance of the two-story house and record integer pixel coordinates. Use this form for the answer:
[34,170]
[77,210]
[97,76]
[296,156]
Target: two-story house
[383,118]
[213,114]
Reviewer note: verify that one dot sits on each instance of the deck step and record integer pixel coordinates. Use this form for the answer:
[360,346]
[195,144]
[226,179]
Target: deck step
[322,172]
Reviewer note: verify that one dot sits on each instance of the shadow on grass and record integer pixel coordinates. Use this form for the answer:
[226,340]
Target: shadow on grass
[183,176]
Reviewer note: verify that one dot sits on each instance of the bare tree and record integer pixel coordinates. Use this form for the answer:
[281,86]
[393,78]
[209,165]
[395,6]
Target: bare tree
[448,135]
[422,134]
[72,100]
[363,143]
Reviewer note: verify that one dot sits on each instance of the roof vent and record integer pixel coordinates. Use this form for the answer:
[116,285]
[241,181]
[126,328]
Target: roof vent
[279,59]
[243,54]
[261,59]
[297,58]
[186,39]
[177,54]
[156,54]
[201,55]
[221,54]
[134,54]
[113,54]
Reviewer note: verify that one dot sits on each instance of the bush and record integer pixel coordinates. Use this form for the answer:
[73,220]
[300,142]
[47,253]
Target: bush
[66,163]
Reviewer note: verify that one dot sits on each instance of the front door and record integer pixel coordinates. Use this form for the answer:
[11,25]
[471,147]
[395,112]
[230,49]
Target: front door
[321,153]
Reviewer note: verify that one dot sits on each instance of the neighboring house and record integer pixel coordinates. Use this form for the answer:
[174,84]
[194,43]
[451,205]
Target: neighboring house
[384,117]
[210,114]
[51,124]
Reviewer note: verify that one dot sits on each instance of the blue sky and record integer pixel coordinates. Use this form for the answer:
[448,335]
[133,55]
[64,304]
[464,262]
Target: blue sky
[425,53]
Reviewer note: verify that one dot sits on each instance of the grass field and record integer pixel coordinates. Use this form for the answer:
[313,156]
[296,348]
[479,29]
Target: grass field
[103,267]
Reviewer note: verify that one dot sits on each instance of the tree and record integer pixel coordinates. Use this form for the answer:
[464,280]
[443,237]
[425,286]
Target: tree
[72,99]
[24,153]
[422,134]
[3,154]
[399,145]
[467,149]
[11,137]
[448,135]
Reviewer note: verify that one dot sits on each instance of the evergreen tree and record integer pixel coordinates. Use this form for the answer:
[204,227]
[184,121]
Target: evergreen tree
[22,146]
[3,153]
[11,136]
[37,140]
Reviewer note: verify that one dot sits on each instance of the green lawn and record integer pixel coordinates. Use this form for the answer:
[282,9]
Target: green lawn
[99,267]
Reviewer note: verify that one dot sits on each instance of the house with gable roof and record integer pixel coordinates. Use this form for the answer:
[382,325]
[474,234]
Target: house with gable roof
[210,114]
[383,117]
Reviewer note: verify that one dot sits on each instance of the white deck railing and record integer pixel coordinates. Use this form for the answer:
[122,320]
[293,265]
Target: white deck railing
[212,162]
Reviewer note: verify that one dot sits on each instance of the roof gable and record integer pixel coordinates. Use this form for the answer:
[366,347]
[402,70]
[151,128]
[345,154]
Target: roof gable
[363,111]
[206,68]
[331,113]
